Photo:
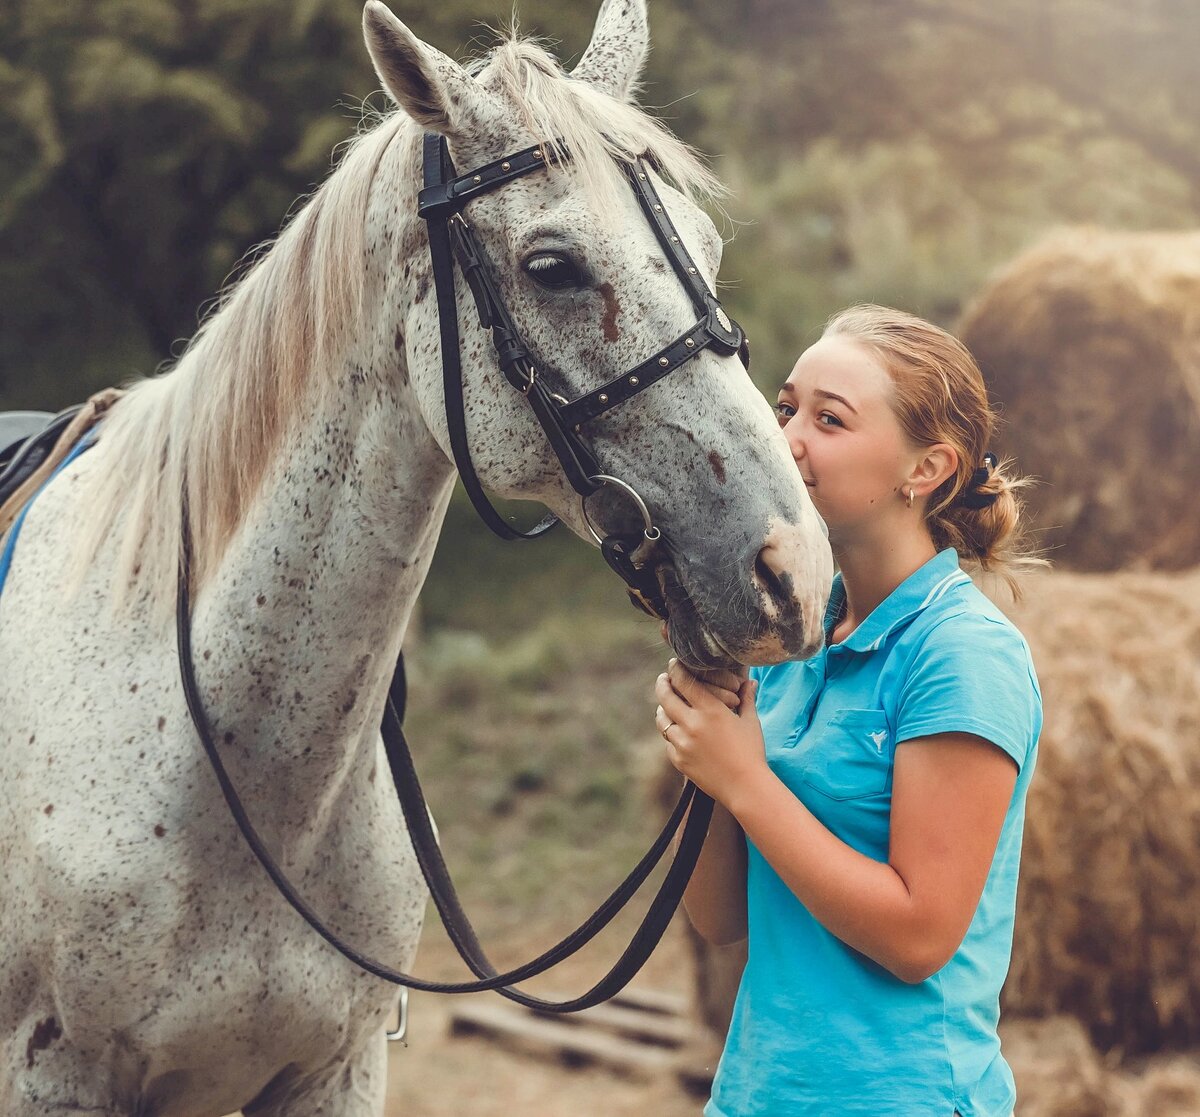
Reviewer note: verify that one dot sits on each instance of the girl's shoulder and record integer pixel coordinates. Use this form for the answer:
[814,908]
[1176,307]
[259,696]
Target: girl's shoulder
[969,621]
[967,668]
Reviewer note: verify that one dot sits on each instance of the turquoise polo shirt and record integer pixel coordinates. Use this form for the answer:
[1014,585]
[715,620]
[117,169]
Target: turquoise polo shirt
[818,1028]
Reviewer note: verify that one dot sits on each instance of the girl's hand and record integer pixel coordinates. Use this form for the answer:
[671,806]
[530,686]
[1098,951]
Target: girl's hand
[722,684]
[716,748]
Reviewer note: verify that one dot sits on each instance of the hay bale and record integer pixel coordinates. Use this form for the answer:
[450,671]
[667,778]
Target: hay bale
[1108,922]
[1091,343]
[1059,1072]
[1057,1069]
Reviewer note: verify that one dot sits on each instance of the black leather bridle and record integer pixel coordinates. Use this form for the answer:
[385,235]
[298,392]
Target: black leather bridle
[441,204]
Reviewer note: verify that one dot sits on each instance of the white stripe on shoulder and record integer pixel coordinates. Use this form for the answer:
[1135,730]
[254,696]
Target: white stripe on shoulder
[956,577]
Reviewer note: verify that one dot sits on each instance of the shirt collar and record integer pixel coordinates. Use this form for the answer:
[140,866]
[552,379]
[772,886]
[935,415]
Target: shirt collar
[920,589]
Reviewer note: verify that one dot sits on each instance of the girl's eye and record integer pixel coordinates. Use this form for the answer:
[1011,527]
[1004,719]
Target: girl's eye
[784,410]
[834,421]
[554,271]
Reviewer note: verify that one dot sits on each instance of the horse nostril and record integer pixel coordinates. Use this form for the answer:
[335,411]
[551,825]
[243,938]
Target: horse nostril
[770,571]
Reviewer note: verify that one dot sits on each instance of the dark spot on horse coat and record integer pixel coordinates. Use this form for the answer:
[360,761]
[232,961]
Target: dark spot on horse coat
[399,342]
[261,599]
[48,808]
[46,1032]
[423,287]
[133,688]
[718,466]
[612,307]
[159,830]
[162,722]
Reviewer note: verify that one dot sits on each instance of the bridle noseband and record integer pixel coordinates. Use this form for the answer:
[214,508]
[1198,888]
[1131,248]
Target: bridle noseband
[442,203]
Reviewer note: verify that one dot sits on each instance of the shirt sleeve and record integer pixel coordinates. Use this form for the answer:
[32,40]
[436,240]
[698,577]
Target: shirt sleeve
[973,674]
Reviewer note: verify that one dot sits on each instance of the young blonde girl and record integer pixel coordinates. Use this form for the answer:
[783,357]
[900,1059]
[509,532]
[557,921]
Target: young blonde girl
[870,800]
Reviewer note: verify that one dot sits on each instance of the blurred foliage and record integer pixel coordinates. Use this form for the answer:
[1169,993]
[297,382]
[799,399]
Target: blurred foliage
[528,745]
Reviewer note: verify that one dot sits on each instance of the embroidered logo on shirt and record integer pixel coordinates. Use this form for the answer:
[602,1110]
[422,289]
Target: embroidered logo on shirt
[878,739]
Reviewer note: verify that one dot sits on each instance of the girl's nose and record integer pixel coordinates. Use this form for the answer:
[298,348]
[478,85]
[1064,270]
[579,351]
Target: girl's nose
[794,433]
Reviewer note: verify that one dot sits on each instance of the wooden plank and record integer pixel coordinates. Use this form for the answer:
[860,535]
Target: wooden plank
[696,1075]
[635,1023]
[570,1043]
[653,1000]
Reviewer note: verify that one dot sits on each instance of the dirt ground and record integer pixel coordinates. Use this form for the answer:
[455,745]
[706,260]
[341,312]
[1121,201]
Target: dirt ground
[440,1074]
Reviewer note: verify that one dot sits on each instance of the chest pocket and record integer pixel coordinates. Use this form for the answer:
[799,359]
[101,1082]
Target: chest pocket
[852,757]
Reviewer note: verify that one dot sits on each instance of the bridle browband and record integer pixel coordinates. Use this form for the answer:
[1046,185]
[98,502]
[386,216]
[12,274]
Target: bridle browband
[442,203]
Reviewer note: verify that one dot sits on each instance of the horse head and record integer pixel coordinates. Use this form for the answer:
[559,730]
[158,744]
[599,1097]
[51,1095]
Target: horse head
[742,564]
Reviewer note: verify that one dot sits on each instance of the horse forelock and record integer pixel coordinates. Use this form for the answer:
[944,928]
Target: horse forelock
[567,114]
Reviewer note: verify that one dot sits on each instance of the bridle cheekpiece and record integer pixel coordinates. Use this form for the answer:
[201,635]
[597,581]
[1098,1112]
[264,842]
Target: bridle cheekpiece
[441,204]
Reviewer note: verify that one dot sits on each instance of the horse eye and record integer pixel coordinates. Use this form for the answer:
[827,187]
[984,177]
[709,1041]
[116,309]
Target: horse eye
[554,271]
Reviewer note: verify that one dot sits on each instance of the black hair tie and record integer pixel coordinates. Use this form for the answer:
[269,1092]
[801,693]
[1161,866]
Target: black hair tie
[972,495]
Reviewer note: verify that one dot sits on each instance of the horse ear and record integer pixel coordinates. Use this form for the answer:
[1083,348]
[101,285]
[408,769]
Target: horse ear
[615,56]
[433,89]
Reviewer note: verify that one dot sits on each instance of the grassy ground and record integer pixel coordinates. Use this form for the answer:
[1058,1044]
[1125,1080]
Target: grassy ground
[531,719]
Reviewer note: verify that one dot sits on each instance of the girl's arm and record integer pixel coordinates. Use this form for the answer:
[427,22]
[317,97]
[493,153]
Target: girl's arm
[949,799]
[715,898]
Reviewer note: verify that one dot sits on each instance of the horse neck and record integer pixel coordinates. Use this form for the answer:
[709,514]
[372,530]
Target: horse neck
[307,611]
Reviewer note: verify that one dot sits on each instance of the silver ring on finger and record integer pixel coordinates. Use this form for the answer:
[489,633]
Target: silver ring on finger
[670,726]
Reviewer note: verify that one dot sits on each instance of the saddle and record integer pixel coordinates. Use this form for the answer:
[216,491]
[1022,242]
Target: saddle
[26,441]
[34,443]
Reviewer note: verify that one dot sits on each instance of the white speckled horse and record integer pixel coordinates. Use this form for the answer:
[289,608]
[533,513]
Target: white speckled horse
[147,967]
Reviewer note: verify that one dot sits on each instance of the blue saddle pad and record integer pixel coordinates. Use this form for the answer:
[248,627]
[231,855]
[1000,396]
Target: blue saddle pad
[10,538]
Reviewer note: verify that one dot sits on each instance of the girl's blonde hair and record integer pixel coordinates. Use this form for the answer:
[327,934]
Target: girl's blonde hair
[939,396]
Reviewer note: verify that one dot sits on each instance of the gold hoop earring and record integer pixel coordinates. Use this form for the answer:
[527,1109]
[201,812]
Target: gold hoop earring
[908,499]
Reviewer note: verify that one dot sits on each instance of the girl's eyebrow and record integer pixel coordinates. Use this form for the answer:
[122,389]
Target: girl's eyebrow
[834,395]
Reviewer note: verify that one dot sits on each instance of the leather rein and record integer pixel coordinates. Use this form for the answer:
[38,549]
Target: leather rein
[441,203]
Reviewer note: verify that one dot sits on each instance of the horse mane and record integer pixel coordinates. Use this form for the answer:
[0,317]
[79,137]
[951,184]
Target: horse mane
[214,421]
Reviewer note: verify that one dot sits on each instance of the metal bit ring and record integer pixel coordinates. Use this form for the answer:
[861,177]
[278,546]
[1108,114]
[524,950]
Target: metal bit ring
[650,532]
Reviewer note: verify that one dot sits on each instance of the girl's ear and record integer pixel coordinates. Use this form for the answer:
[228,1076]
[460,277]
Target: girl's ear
[938,464]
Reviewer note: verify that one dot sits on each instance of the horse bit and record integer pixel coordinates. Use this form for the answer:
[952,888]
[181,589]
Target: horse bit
[441,203]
